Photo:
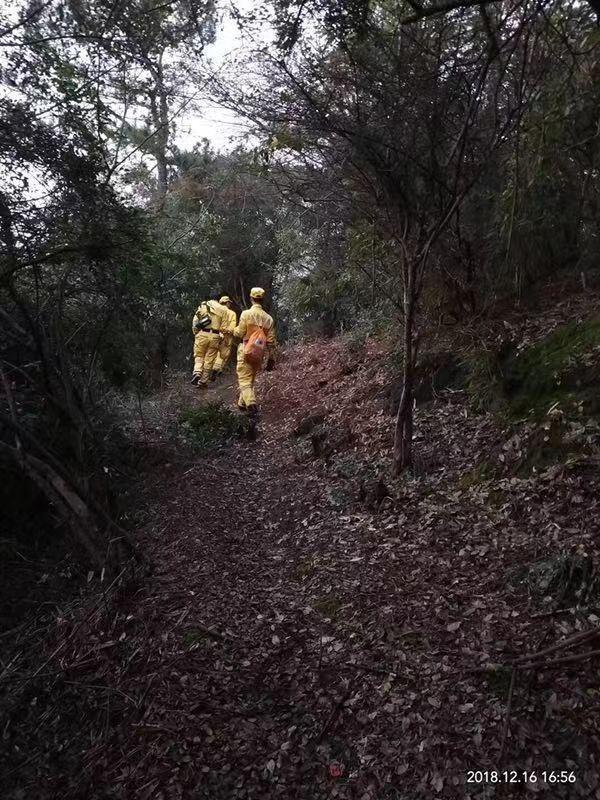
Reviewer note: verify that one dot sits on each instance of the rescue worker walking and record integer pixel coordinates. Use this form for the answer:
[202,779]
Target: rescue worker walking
[209,320]
[226,342]
[256,329]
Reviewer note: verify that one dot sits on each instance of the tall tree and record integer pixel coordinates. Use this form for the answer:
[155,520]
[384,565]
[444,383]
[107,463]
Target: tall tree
[139,57]
[158,47]
[406,120]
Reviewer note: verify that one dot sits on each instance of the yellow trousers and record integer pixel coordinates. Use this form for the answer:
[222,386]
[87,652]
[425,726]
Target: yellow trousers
[206,348]
[224,353]
[246,375]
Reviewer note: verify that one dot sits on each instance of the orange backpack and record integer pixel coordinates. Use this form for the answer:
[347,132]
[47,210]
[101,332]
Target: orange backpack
[254,347]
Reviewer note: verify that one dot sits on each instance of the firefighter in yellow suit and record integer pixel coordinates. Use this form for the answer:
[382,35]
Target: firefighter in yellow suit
[225,346]
[207,339]
[250,320]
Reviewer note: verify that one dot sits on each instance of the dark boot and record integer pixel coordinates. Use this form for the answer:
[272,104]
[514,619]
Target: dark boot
[213,375]
[195,379]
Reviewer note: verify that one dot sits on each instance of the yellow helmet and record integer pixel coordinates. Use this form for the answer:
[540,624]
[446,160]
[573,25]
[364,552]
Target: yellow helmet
[225,299]
[257,293]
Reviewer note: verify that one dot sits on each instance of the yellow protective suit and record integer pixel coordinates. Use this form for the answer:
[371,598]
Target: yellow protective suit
[225,346]
[251,319]
[206,343]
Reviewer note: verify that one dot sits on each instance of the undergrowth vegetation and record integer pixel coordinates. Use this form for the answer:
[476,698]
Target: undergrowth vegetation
[561,369]
[211,424]
[567,579]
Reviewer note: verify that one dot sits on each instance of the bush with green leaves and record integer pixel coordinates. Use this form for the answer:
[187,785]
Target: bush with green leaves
[211,424]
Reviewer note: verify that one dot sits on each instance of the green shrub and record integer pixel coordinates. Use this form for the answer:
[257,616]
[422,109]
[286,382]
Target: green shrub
[354,341]
[210,424]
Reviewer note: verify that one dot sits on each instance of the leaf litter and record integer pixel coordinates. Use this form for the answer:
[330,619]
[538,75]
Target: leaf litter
[287,646]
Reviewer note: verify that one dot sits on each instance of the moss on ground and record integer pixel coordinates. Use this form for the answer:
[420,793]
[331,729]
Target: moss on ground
[483,472]
[328,606]
[563,369]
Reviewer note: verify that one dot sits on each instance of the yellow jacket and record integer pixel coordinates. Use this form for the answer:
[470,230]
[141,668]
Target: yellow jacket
[218,316]
[253,318]
[231,321]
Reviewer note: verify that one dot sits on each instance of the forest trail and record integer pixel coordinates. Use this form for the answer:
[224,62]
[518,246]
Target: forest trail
[227,597]
[242,692]
[311,632]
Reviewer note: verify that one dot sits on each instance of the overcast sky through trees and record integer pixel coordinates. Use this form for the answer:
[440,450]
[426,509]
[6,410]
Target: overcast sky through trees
[221,126]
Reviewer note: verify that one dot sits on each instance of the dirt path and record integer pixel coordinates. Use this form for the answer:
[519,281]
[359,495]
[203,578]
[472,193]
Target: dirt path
[243,693]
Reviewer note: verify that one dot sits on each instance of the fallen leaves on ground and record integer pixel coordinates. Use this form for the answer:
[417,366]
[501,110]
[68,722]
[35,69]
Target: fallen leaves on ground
[295,642]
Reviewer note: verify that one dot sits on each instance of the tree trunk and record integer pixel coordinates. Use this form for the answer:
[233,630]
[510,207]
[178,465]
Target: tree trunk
[403,431]
[105,544]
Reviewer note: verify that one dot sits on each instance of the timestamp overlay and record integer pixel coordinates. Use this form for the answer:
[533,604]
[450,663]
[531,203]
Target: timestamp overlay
[547,777]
